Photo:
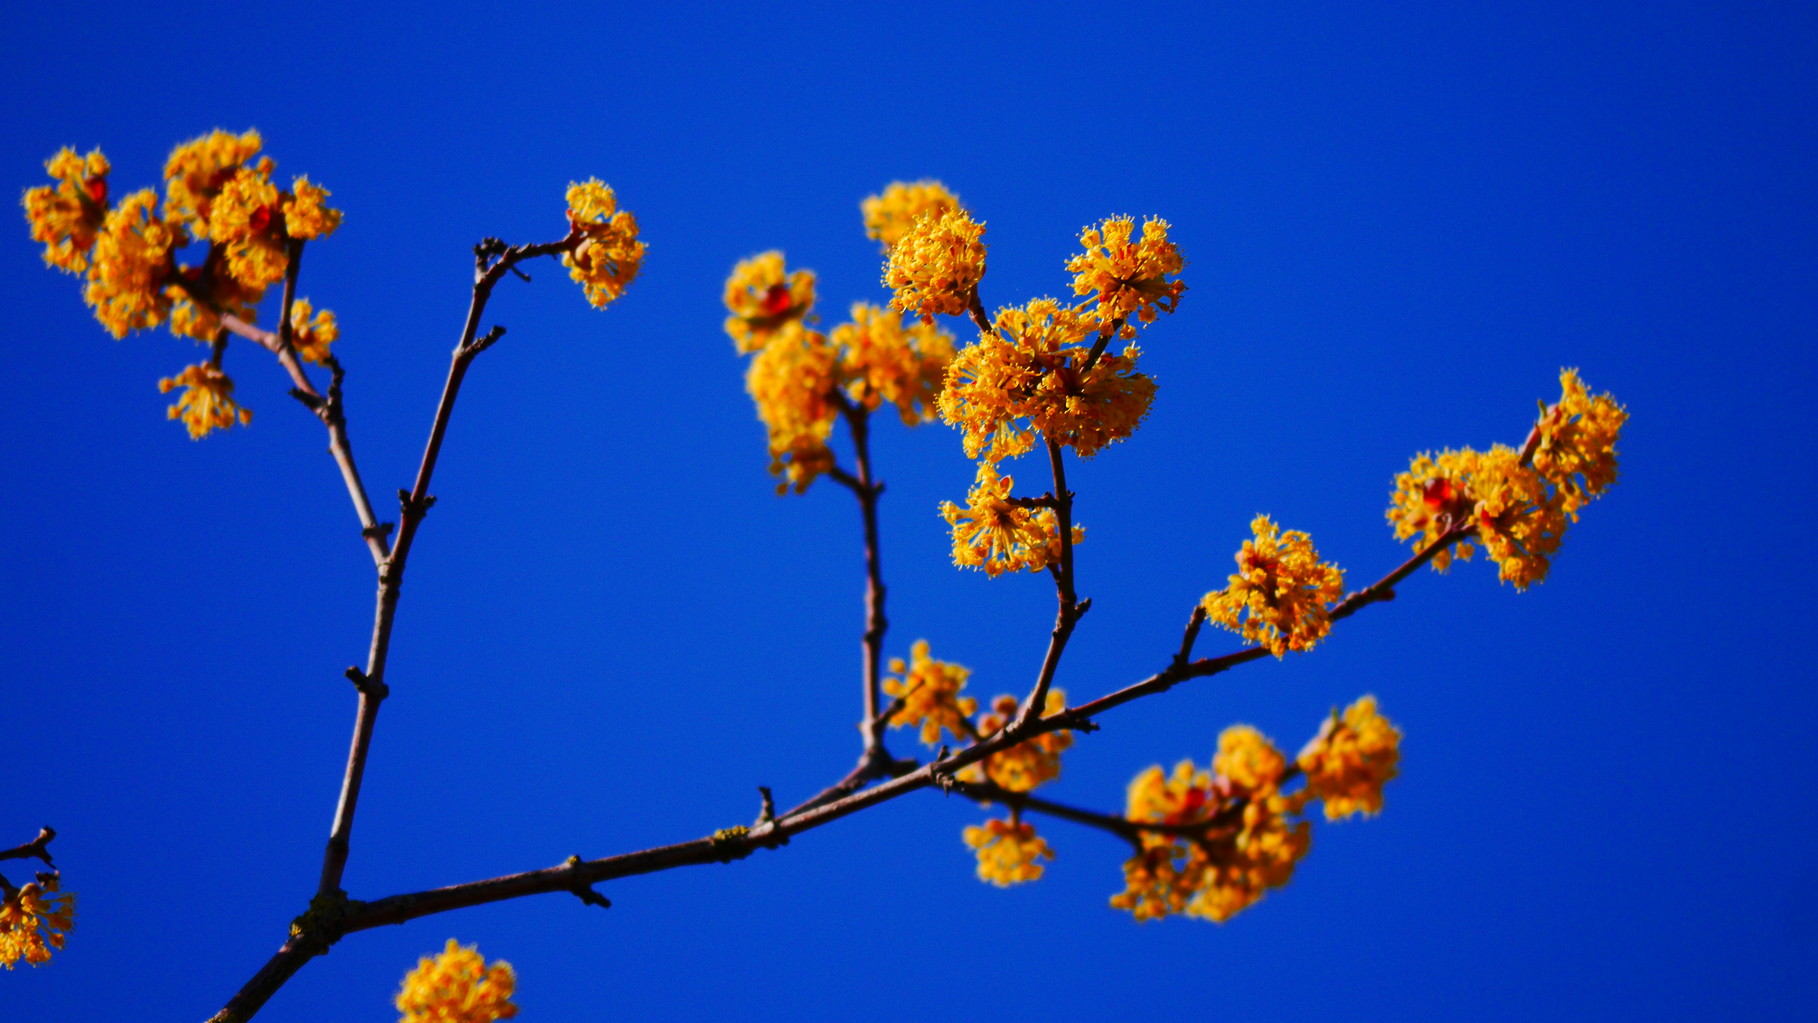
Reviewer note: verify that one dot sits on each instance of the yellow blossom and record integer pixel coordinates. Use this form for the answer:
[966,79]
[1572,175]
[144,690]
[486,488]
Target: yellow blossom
[1009,852]
[67,216]
[35,919]
[884,363]
[1517,511]
[1351,759]
[1430,498]
[198,169]
[246,221]
[457,986]
[1128,277]
[1576,451]
[1158,881]
[888,216]
[1516,518]
[130,264]
[1028,375]
[1262,855]
[609,254]
[306,211]
[207,402]
[1248,760]
[794,381]
[936,265]
[1184,797]
[993,534]
[1214,871]
[1280,592]
[1024,766]
[930,691]
[1519,521]
[312,338]
[764,298]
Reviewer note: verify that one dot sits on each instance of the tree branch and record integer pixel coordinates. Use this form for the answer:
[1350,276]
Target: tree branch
[1071,607]
[492,261]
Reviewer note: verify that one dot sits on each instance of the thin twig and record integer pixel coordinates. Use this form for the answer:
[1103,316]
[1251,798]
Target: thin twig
[1071,607]
[414,506]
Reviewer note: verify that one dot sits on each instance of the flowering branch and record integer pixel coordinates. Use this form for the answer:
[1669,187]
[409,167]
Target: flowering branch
[315,931]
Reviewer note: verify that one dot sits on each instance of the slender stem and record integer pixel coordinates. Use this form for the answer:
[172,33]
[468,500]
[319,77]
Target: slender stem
[37,848]
[329,409]
[1221,817]
[1071,607]
[868,491]
[1099,345]
[415,505]
[976,307]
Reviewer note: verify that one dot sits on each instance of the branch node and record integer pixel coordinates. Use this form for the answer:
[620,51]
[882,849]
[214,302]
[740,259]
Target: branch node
[366,686]
[584,891]
[38,848]
[315,403]
[730,843]
[324,922]
[767,808]
[939,777]
[377,531]
[486,340]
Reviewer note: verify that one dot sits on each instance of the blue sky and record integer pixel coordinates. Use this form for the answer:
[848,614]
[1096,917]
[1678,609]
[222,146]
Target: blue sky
[1401,221]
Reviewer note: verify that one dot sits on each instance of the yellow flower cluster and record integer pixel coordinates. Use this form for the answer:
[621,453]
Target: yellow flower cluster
[1281,592]
[457,986]
[1519,511]
[198,169]
[245,220]
[936,265]
[1029,375]
[34,919]
[800,376]
[1223,837]
[207,401]
[1350,760]
[306,212]
[1009,851]
[1128,277]
[998,536]
[129,265]
[930,691]
[885,362]
[311,337]
[67,216]
[888,216]
[1577,448]
[763,298]
[1028,764]
[215,191]
[1246,843]
[607,255]
[795,381]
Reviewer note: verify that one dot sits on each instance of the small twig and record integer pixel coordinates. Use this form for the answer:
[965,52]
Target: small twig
[1071,607]
[37,848]
[492,259]
[1190,634]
